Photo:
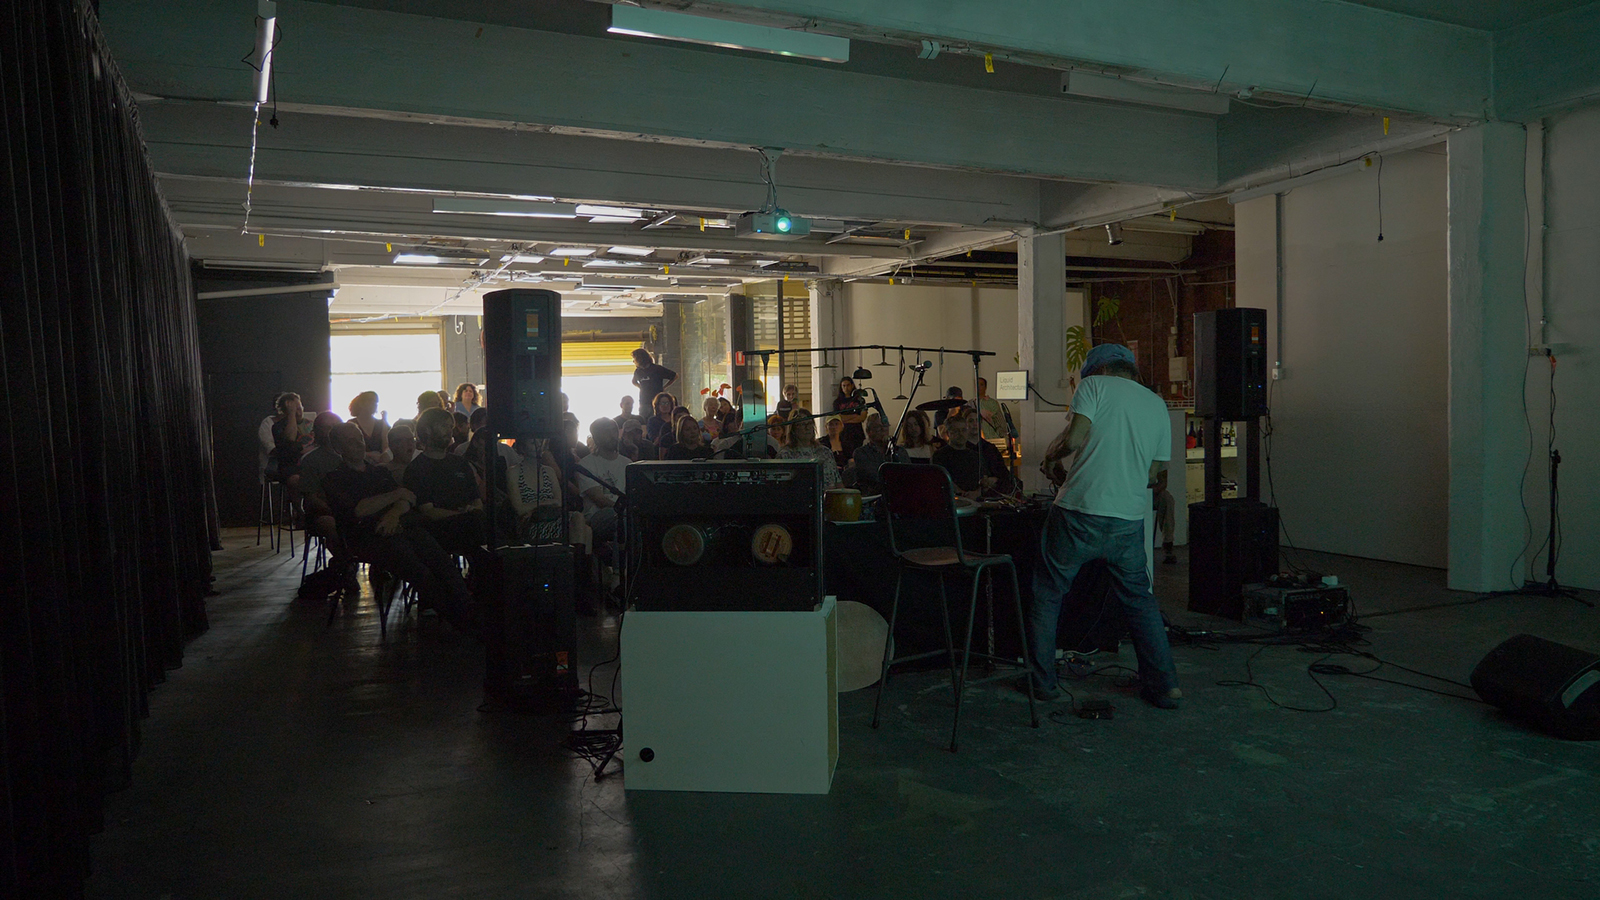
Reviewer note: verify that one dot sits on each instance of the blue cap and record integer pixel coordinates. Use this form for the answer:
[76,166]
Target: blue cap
[1104,354]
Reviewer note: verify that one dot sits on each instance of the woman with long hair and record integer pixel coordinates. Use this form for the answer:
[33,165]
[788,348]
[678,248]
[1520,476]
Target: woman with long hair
[466,398]
[916,438]
[802,444]
[711,423]
[836,443]
[658,428]
[374,431]
[852,411]
[689,443]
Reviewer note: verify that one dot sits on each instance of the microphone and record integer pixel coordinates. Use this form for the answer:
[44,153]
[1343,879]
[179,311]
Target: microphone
[923,366]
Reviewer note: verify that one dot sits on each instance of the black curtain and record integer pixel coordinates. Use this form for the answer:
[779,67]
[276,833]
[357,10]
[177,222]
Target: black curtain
[106,512]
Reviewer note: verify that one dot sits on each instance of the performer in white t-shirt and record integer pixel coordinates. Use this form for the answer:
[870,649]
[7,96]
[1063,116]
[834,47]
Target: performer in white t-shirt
[1119,435]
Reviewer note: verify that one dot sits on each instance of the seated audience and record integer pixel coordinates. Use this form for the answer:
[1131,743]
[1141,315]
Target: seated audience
[290,441]
[862,471]
[605,467]
[374,431]
[369,509]
[711,422]
[466,401]
[533,485]
[916,443]
[777,434]
[627,413]
[425,401]
[403,447]
[728,415]
[960,457]
[837,441]
[633,444]
[314,466]
[658,428]
[802,444]
[445,487]
[791,399]
[460,431]
[939,416]
[690,442]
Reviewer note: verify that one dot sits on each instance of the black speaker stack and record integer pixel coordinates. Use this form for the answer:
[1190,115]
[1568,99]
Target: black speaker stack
[1232,542]
[522,362]
[726,535]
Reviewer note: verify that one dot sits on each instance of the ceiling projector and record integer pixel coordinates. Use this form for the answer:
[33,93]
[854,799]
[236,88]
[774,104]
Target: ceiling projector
[778,224]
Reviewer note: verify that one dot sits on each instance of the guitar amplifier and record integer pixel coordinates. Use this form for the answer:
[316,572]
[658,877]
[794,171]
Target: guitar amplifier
[725,535]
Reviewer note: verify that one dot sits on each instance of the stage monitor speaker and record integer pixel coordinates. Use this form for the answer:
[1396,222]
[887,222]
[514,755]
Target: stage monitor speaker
[1230,367]
[726,535]
[1550,686]
[522,362]
[530,627]
[1231,544]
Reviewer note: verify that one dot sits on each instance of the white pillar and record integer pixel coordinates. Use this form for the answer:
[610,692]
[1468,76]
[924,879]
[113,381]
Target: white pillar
[827,301]
[1487,355]
[1043,316]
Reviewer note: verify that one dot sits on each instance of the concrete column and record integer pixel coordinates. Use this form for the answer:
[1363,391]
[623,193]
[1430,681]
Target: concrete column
[1043,317]
[827,300]
[1487,355]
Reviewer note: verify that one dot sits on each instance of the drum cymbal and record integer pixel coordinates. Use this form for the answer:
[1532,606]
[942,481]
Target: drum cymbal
[945,403]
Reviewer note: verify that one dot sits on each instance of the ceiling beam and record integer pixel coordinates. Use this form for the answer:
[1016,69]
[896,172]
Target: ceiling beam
[1547,65]
[1334,51]
[213,141]
[203,204]
[352,58]
[944,244]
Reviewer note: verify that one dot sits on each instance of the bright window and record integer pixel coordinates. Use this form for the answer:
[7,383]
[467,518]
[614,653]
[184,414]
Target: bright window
[595,376]
[397,366]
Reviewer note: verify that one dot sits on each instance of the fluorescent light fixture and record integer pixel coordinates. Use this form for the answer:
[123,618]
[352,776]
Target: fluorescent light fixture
[671,26]
[418,259]
[631,251]
[606,220]
[589,209]
[711,261]
[572,251]
[491,206]
[522,259]
[266,47]
[612,263]
[762,263]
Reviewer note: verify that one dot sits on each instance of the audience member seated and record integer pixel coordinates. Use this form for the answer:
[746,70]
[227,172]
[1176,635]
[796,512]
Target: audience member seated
[916,438]
[777,434]
[460,431]
[633,444]
[577,448]
[466,401]
[374,431]
[605,466]
[290,441]
[658,428]
[728,415]
[939,416]
[802,444]
[533,486]
[369,509]
[960,457]
[627,413]
[478,451]
[862,471]
[711,422]
[791,399]
[690,443]
[836,441]
[425,401]
[403,448]
[445,488]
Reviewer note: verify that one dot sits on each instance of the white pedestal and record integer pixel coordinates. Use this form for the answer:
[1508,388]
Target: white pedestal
[734,701]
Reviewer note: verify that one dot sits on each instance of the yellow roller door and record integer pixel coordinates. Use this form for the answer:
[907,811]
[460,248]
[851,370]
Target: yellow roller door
[580,358]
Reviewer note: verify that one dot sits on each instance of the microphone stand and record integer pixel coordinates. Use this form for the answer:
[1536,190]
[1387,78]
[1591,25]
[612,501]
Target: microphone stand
[894,436]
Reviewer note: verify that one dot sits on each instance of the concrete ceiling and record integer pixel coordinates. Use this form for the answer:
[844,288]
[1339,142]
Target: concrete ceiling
[385,108]
[1485,15]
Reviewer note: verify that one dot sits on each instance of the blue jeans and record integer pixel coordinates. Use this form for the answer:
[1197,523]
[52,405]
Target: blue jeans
[1072,539]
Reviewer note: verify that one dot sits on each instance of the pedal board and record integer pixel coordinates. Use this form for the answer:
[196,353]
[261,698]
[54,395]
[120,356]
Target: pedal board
[1296,609]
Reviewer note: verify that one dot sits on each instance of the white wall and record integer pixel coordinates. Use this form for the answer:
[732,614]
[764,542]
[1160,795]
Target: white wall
[1359,458]
[1572,307]
[915,315]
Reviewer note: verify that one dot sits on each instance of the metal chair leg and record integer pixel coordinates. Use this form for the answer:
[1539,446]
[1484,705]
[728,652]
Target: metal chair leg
[966,653]
[949,639]
[888,642]
[263,508]
[1022,634]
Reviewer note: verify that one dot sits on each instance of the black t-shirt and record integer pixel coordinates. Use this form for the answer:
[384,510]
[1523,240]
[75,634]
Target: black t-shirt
[652,379]
[448,483]
[344,487]
[963,466]
[658,431]
[854,434]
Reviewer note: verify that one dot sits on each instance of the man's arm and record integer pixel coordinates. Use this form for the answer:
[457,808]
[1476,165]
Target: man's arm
[600,497]
[668,377]
[1070,440]
[381,502]
[1158,476]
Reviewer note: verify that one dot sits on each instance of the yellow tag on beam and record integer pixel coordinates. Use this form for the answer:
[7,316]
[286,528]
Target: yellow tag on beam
[566,260]
[389,247]
[666,270]
[702,224]
[1385,124]
[1172,214]
[988,63]
[908,234]
[261,240]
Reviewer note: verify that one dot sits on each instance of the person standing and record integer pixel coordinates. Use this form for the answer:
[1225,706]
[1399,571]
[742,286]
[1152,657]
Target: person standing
[650,377]
[992,413]
[851,408]
[1119,434]
[466,399]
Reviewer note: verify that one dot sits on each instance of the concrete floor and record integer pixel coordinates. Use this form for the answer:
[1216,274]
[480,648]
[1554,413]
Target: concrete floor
[289,758]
